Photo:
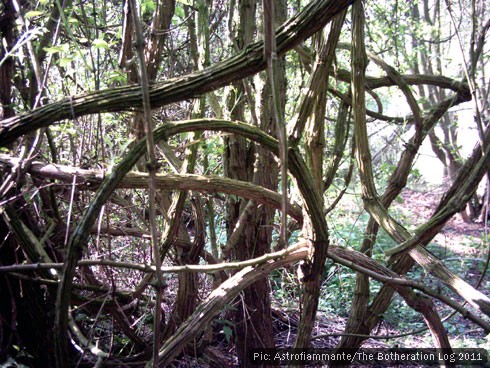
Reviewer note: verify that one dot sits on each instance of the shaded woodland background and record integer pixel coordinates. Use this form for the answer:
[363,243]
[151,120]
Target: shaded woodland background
[183,181]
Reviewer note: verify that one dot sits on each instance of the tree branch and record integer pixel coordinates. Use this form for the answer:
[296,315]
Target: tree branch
[248,62]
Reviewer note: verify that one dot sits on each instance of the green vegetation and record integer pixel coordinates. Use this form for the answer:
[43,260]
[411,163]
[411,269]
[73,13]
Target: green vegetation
[184,181]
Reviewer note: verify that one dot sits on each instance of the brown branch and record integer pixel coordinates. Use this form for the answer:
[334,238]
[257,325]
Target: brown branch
[147,268]
[346,257]
[367,266]
[91,179]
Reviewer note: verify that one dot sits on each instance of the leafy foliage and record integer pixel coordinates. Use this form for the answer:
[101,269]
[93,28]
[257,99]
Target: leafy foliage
[217,177]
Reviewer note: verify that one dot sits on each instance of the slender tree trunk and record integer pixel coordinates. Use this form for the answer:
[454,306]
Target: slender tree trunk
[7,29]
[253,322]
[26,309]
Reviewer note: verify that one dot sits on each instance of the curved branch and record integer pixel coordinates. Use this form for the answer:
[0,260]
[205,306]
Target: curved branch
[411,79]
[216,301]
[110,183]
[250,61]
[371,199]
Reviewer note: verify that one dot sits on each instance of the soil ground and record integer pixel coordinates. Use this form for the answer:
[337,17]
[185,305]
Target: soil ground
[458,240]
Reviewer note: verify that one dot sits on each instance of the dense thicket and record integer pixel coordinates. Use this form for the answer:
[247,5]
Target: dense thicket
[179,177]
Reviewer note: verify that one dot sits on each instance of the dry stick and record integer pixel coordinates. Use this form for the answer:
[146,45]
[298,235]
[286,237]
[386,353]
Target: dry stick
[215,302]
[207,268]
[91,179]
[152,168]
[367,266]
[218,298]
[349,258]
[70,208]
[125,294]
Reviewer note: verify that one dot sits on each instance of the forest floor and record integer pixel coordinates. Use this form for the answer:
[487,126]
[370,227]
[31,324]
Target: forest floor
[457,236]
[458,240]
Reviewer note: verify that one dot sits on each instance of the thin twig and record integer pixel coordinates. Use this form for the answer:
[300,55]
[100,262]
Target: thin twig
[152,167]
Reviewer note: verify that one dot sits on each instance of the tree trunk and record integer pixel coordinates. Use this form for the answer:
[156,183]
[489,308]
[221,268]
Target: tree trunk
[26,310]
[253,321]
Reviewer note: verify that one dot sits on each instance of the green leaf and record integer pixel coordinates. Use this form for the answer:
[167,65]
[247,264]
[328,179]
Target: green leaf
[64,61]
[100,44]
[33,13]
[179,11]
[116,76]
[148,6]
[54,49]
[228,332]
